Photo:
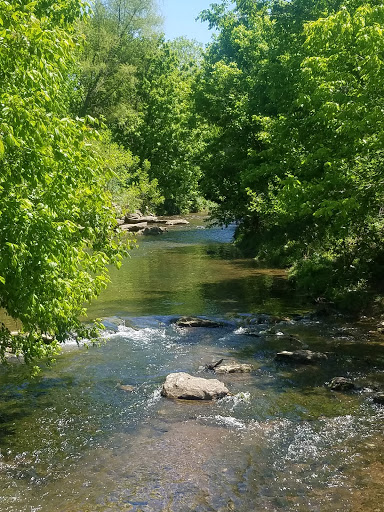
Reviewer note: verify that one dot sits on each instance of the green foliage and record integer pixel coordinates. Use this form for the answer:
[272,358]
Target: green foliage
[118,35]
[141,87]
[229,92]
[130,185]
[56,222]
[294,90]
[169,136]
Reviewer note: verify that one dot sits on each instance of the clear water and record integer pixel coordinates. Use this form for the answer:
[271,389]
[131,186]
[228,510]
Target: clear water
[71,440]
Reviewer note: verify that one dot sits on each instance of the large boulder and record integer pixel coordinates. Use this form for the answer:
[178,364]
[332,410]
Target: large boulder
[184,386]
[300,356]
[378,398]
[191,321]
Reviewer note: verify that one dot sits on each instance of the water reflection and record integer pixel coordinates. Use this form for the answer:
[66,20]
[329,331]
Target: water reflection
[193,271]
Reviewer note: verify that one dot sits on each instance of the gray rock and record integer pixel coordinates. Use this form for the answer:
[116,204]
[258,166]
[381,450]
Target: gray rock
[234,368]
[132,218]
[159,221]
[184,386]
[341,384]
[300,356]
[191,321]
[148,218]
[133,228]
[154,230]
[169,222]
[378,398]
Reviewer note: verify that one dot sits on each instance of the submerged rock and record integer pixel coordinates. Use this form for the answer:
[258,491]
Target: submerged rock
[125,387]
[154,230]
[300,356]
[191,321]
[184,386]
[264,333]
[378,398]
[341,384]
[233,368]
[133,228]
[252,332]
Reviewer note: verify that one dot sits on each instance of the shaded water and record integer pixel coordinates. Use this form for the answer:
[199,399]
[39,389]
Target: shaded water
[71,441]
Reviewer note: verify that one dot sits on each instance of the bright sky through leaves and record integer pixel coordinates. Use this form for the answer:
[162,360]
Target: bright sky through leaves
[179,19]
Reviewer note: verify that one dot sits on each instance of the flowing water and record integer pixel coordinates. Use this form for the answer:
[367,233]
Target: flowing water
[71,441]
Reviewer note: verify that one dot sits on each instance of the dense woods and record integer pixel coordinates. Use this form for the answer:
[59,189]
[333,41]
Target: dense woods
[294,90]
[278,123]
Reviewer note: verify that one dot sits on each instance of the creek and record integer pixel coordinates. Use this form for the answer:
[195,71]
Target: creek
[71,441]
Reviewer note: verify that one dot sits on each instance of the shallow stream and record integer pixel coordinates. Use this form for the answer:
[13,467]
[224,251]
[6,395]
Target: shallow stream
[71,441]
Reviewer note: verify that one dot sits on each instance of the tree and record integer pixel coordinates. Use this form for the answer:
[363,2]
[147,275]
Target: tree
[130,185]
[56,222]
[233,93]
[169,136]
[118,35]
[142,87]
[294,93]
[327,196]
